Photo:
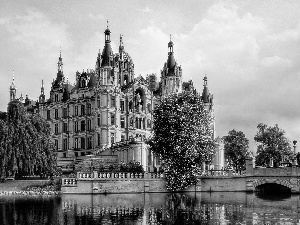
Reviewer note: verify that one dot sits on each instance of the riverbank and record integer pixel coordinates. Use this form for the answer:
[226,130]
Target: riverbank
[30,187]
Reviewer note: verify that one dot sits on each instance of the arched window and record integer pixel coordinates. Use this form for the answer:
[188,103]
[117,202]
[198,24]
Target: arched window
[82,83]
[89,108]
[136,123]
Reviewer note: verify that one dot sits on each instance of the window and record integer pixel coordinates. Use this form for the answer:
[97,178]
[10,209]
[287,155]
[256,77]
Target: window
[48,114]
[131,122]
[122,106]
[56,114]
[89,142]
[82,83]
[130,106]
[104,77]
[140,123]
[76,110]
[76,143]
[98,102]
[76,126]
[83,125]
[65,112]
[149,108]
[144,123]
[112,138]
[122,137]
[98,120]
[112,100]
[82,109]
[112,119]
[56,144]
[56,97]
[56,128]
[122,122]
[65,144]
[89,109]
[136,123]
[82,143]
[65,128]
[89,126]
[99,140]
[148,123]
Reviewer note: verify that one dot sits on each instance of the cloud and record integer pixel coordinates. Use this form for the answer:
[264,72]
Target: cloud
[36,40]
[95,17]
[276,61]
[145,10]
[251,70]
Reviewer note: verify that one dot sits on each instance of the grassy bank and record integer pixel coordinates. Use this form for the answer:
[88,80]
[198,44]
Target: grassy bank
[30,187]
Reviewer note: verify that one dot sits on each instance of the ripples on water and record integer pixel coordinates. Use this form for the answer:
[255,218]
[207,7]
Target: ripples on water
[155,208]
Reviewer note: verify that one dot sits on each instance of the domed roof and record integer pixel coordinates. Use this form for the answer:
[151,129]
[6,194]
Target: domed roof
[171,63]
[107,31]
[106,53]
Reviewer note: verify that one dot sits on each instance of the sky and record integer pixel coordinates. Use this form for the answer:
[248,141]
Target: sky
[249,50]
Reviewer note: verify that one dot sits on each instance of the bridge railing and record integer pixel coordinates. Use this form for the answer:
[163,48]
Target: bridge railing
[221,173]
[280,171]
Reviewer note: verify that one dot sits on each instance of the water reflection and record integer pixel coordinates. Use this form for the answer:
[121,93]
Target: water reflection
[155,208]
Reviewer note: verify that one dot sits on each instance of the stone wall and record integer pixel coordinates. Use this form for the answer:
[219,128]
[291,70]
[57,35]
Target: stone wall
[117,186]
[220,184]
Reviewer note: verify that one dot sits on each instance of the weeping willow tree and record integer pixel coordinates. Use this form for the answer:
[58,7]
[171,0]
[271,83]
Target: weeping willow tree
[182,138]
[25,147]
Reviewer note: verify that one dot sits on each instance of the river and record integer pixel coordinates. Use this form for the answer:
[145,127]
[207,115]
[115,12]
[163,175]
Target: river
[154,208]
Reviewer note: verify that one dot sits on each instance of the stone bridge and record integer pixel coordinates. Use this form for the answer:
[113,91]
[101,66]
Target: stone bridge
[288,177]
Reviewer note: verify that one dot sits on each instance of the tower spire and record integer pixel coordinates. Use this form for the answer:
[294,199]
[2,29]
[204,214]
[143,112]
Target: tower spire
[205,92]
[170,45]
[60,62]
[12,89]
[42,95]
[107,52]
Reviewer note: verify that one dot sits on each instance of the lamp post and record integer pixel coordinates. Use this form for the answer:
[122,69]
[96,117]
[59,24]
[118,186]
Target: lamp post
[295,146]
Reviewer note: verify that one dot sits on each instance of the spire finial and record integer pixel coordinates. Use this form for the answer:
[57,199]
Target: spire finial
[60,51]
[170,37]
[121,39]
[13,75]
[205,80]
[107,24]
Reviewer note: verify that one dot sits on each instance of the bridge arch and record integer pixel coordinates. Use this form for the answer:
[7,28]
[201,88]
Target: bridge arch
[260,183]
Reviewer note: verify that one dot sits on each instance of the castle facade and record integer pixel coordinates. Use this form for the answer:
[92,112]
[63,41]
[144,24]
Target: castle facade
[108,111]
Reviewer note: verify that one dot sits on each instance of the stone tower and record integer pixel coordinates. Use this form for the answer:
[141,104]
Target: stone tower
[171,74]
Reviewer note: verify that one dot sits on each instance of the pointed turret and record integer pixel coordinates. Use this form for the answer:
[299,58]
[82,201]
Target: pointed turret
[171,74]
[12,88]
[107,52]
[42,95]
[205,92]
[121,46]
[171,61]
[60,75]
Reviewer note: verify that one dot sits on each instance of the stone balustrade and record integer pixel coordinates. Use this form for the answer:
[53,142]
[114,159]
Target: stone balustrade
[221,173]
[69,182]
[118,176]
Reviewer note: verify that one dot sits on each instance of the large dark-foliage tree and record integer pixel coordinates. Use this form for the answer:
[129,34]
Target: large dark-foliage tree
[271,144]
[25,147]
[182,138]
[236,149]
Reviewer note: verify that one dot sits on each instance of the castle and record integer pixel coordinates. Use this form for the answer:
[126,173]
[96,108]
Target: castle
[108,111]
